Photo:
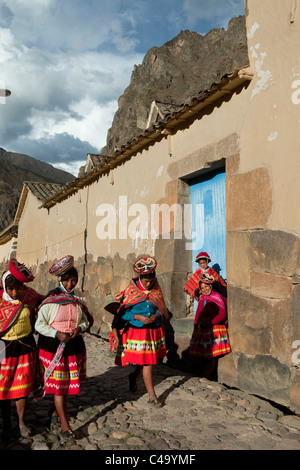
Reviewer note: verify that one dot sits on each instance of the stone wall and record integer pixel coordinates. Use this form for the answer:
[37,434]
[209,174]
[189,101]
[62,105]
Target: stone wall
[263,300]
[100,281]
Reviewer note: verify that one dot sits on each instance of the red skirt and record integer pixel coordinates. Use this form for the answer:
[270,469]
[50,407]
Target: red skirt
[18,368]
[209,342]
[141,346]
[69,371]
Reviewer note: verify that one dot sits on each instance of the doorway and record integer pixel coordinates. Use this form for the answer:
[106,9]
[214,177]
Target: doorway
[208,216]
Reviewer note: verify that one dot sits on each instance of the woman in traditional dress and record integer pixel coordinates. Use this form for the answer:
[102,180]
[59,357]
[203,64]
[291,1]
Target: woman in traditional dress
[62,353]
[142,341]
[210,337]
[192,286]
[18,352]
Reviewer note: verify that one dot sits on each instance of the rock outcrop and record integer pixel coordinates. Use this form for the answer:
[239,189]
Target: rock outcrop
[170,74]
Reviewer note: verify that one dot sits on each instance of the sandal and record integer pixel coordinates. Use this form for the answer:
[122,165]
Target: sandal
[155,403]
[25,431]
[54,418]
[68,434]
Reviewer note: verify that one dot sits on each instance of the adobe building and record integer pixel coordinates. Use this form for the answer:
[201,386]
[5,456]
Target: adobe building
[226,163]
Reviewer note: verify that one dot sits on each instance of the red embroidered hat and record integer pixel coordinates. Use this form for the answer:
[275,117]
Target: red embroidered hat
[145,265]
[20,271]
[62,266]
[203,255]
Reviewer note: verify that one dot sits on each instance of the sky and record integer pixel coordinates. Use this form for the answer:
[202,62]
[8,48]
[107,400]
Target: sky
[67,63]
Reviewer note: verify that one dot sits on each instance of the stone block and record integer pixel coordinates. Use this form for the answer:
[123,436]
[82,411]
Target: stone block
[119,265]
[265,376]
[91,267]
[227,370]
[172,255]
[200,158]
[237,256]
[295,314]
[106,273]
[92,282]
[183,326]
[295,392]
[230,145]
[250,322]
[172,288]
[232,165]
[130,260]
[118,284]
[282,331]
[275,252]
[248,200]
[270,285]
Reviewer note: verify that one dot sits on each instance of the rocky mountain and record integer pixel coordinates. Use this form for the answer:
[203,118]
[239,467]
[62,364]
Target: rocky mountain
[16,168]
[170,74]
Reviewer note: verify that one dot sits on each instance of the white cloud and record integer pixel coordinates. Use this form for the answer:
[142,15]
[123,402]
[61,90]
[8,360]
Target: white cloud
[72,167]
[87,121]
[55,93]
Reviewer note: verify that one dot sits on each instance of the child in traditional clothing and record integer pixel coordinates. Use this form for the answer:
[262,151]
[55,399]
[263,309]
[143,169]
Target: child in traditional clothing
[210,337]
[192,286]
[142,342]
[62,353]
[18,358]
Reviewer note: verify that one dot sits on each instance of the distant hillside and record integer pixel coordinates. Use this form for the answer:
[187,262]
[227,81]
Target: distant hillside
[36,166]
[14,170]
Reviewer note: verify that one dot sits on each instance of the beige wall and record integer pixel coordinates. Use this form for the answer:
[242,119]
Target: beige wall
[7,251]
[272,124]
[44,236]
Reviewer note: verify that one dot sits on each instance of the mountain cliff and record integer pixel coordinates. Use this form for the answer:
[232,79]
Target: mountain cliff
[170,74]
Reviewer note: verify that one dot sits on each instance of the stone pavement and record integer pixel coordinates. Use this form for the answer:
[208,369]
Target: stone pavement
[197,414]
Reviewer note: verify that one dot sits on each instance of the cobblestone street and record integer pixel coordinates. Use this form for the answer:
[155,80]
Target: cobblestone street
[197,414]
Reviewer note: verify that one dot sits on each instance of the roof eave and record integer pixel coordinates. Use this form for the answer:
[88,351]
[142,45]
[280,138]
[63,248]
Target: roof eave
[8,233]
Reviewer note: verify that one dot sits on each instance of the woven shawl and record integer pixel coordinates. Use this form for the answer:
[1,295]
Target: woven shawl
[9,312]
[133,295]
[213,297]
[57,296]
[193,282]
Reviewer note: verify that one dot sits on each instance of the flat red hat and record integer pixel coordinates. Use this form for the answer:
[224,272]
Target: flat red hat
[20,271]
[204,255]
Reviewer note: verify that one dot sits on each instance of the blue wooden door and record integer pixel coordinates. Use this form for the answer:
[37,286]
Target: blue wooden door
[209,219]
